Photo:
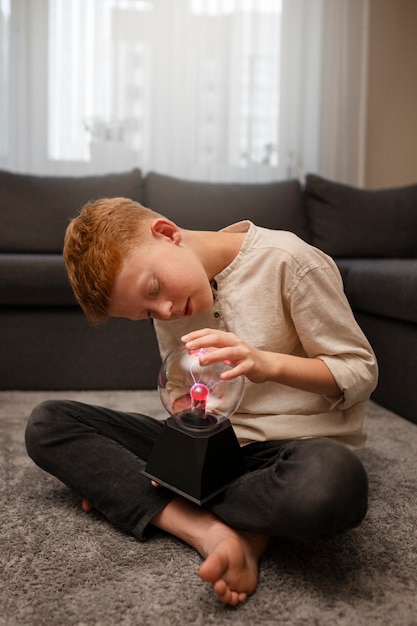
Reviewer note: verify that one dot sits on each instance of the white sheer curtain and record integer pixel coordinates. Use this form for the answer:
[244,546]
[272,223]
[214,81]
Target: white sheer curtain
[244,90]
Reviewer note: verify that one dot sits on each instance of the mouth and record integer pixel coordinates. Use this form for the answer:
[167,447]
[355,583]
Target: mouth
[188,309]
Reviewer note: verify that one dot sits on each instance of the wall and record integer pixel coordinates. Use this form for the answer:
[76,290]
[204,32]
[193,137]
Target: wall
[391,141]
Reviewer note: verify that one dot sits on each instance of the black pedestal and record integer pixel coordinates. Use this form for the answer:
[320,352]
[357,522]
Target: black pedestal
[195,464]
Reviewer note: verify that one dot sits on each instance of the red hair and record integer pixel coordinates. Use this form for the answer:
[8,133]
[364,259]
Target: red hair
[96,243]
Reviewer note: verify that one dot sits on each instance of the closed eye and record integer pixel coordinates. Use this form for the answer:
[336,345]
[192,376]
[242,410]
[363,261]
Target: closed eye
[154,290]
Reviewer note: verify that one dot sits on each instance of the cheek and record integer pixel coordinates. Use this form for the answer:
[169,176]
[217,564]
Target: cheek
[187,280]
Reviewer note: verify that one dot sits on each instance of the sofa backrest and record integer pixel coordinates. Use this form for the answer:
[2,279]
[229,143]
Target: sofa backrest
[212,206]
[346,221]
[343,221]
[35,210]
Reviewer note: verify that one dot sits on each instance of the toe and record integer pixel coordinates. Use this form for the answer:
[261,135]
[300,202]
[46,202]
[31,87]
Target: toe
[86,506]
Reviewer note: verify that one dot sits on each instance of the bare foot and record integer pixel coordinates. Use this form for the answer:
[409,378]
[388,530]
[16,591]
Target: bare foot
[231,557]
[231,564]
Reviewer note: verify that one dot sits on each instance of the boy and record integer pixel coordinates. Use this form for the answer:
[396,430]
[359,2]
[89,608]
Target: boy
[272,305]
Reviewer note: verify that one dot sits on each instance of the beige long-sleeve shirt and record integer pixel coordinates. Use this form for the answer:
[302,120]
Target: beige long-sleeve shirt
[282,295]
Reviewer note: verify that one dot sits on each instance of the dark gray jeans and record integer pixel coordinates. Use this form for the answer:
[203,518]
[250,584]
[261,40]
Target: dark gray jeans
[293,489]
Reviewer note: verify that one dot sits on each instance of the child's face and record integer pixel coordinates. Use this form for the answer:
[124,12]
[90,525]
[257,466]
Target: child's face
[164,281]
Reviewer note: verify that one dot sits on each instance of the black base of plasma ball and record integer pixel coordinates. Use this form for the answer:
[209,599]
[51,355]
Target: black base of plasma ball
[195,464]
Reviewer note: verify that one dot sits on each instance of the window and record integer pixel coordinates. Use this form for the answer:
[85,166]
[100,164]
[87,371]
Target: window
[122,74]
[4,74]
[220,90]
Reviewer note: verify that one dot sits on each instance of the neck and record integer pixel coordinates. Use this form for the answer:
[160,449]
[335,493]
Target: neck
[215,249]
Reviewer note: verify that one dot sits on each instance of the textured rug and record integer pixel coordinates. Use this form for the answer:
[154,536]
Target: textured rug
[60,566]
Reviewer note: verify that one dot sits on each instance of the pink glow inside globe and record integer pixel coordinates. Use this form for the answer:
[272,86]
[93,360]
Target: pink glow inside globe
[195,394]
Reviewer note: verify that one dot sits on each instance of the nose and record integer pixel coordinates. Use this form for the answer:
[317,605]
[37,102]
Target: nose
[164,310]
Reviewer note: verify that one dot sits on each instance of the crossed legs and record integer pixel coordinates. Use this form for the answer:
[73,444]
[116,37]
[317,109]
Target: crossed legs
[302,488]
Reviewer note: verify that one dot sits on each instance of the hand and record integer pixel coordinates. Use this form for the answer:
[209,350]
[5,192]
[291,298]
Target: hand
[259,366]
[224,346]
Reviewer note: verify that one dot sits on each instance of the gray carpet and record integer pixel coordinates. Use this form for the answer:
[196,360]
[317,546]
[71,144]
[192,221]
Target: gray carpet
[60,566]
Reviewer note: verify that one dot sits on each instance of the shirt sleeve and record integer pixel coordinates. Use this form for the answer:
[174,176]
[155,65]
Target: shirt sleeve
[328,330]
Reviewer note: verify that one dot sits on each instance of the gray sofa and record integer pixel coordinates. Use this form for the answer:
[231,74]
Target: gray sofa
[46,342]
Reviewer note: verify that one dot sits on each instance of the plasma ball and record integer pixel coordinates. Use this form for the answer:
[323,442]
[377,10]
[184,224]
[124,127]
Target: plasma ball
[199,392]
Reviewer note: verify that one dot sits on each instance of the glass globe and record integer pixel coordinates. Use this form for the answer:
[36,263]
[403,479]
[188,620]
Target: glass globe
[195,394]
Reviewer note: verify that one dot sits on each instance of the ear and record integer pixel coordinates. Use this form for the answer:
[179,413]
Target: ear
[164,228]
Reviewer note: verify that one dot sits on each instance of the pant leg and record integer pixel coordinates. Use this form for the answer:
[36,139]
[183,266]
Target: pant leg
[307,488]
[99,453]
[303,488]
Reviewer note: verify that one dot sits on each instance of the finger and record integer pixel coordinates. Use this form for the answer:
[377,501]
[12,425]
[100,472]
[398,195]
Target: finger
[238,370]
[230,355]
[196,334]
[215,355]
[209,338]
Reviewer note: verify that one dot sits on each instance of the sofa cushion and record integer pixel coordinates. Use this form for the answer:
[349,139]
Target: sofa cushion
[211,206]
[35,210]
[34,280]
[386,287]
[350,222]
